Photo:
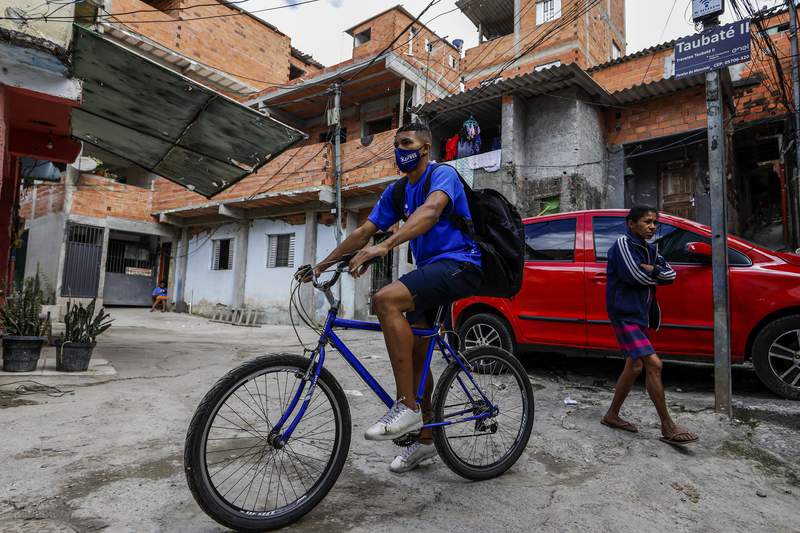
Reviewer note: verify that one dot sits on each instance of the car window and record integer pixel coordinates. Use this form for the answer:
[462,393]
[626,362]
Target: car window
[553,240]
[606,232]
[672,241]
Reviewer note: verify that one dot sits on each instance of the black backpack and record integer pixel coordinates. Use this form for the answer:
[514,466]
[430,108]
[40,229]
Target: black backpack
[496,227]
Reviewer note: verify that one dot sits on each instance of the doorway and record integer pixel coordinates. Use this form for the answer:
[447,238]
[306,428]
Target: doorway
[676,188]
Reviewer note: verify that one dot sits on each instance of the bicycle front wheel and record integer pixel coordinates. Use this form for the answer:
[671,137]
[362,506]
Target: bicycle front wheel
[487,447]
[236,475]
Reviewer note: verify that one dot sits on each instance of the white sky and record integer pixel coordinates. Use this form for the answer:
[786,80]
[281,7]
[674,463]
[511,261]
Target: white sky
[318,28]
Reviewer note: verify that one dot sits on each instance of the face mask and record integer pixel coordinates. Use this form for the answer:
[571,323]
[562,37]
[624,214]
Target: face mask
[407,160]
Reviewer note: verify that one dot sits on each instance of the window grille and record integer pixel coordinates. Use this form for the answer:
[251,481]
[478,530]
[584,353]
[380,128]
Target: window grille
[222,257]
[280,250]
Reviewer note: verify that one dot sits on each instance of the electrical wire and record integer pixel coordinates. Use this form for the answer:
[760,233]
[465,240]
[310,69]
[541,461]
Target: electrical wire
[72,18]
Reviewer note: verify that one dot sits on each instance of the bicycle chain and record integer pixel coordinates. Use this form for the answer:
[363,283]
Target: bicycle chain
[404,441]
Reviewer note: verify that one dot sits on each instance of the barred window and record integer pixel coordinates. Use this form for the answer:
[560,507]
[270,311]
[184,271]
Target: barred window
[547,10]
[222,257]
[280,250]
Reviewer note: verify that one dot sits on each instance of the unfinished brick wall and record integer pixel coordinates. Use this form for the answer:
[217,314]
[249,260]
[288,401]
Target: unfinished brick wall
[298,168]
[586,41]
[49,199]
[239,45]
[685,111]
[385,27]
[100,197]
[658,117]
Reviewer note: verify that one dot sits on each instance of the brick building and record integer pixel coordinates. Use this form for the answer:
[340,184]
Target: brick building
[151,107]
[282,216]
[586,133]
[573,123]
[521,36]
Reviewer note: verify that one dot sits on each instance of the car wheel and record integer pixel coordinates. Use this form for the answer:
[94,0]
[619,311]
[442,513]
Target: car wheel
[486,329]
[776,357]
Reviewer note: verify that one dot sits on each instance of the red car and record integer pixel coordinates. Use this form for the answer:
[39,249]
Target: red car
[561,306]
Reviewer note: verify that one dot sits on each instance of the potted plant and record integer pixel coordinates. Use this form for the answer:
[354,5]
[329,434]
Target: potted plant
[21,318]
[81,328]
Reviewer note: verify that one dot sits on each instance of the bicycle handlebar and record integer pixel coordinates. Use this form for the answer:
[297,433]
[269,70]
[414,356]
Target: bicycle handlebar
[342,266]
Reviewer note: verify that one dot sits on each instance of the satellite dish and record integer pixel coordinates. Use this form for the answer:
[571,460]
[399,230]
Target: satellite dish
[85,164]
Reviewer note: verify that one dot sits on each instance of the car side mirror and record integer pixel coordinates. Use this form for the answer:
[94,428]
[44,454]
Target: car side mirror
[699,250]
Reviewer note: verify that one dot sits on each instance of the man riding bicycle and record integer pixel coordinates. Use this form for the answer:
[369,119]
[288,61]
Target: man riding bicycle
[448,269]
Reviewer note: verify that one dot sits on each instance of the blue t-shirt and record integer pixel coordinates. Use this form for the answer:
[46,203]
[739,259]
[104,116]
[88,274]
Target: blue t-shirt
[444,240]
[159,291]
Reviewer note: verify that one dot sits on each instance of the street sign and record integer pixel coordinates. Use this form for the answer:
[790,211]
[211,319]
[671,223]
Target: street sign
[706,9]
[713,49]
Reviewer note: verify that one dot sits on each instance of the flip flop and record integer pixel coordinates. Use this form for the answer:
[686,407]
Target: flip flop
[671,439]
[625,426]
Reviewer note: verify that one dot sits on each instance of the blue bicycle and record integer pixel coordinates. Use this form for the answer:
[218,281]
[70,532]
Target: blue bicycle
[269,440]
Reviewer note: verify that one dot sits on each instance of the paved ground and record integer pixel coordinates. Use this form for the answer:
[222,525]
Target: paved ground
[108,455]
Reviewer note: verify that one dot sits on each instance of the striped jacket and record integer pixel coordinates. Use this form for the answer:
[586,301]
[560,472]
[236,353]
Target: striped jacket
[631,290]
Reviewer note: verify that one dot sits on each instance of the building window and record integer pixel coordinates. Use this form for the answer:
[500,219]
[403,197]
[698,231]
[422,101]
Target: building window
[295,72]
[411,33]
[222,257]
[371,127]
[780,28]
[451,61]
[547,10]
[363,37]
[428,46]
[547,65]
[330,135]
[616,53]
[280,250]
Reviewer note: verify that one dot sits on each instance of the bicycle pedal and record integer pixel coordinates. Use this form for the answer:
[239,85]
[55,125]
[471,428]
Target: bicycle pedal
[404,441]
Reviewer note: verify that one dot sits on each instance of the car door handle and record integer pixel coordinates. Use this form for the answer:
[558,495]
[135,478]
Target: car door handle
[599,277]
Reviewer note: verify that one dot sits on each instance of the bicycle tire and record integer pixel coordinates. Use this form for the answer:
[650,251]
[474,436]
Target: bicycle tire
[195,459]
[451,458]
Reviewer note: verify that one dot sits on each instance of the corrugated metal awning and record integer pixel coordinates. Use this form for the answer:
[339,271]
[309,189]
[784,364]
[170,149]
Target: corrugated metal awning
[657,88]
[533,84]
[494,17]
[167,123]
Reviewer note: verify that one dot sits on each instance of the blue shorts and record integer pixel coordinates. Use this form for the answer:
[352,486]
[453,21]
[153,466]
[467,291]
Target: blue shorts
[439,284]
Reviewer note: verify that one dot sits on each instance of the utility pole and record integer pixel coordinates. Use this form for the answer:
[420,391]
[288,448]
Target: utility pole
[337,157]
[337,167]
[794,206]
[719,238]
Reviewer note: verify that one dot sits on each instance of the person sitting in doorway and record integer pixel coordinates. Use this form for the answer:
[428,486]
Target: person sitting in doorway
[160,297]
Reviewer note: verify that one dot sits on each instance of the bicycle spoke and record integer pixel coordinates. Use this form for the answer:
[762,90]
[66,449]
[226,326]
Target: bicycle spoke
[241,464]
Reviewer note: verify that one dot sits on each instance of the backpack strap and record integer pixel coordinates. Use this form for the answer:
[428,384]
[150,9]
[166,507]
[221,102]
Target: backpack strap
[460,222]
[399,197]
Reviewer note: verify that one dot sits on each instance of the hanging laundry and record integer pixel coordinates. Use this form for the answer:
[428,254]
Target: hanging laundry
[451,148]
[470,141]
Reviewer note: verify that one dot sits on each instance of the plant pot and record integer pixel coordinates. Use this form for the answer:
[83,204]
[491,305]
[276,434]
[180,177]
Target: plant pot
[21,354]
[74,356]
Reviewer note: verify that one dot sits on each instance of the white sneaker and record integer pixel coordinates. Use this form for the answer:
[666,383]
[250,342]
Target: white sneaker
[412,457]
[397,421]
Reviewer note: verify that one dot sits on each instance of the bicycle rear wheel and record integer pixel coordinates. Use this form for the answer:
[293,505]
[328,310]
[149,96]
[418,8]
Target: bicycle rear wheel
[484,448]
[236,475]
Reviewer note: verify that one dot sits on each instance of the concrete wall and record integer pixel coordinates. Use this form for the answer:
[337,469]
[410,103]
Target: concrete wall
[553,145]
[268,288]
[45,240]
[205,287]
[56,32]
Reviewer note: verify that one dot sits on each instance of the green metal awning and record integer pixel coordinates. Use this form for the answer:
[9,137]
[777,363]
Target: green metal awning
[167,123]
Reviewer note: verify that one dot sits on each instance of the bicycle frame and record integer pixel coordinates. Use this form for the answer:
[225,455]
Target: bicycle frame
[330,337]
